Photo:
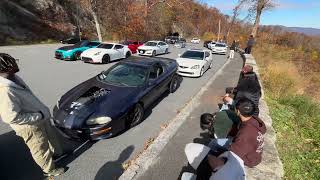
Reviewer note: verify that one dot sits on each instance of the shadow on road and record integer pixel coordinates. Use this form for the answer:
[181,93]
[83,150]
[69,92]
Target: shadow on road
[114,169]
[17,163]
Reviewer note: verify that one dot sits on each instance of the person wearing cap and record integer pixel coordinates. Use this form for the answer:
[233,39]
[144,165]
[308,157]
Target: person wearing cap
[249,140]
[248,87]
[27,116]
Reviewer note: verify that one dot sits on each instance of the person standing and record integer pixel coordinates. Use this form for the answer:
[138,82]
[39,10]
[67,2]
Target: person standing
[232,49]
[27,116]
[250,44]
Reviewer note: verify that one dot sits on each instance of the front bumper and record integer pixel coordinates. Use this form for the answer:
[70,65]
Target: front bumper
[89,60]
[145,52]
[92,133]
[188,72]
[219,51]
[62,56]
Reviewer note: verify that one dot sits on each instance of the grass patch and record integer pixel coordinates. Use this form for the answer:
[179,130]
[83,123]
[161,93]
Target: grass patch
[296,120]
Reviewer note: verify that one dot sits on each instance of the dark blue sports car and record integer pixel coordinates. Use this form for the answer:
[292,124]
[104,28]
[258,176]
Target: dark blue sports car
[115,99]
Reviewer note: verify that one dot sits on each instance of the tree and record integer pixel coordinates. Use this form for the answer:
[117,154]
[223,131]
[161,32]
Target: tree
[257,7]
[93,8]
[235,14]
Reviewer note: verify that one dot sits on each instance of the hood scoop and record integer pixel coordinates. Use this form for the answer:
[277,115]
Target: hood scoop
[88,97]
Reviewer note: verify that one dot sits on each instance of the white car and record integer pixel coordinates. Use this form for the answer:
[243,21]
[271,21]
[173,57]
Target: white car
[105,53]
[211,44]
[219,48]
[194,62]
[195,40]
[153,48]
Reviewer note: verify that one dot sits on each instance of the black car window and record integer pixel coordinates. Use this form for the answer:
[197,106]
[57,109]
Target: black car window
[156,71]
[93,44]
[135,43]
[197,55]
[105,46]
[207,54]
[118,47]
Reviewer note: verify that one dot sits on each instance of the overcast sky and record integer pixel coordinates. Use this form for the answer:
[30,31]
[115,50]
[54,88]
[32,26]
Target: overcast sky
[292,13]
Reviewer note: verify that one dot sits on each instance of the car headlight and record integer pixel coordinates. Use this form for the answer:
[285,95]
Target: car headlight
[96,54]
[98,120]
[195,67]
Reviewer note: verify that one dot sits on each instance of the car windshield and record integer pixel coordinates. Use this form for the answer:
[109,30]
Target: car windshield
[81,43]
[197,55]
[125,75]
[150,44]
[105,46]
[220,45]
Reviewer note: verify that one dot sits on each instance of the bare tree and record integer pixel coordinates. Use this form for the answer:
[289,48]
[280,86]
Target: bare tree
[93,9]
[257,7]
[235,14]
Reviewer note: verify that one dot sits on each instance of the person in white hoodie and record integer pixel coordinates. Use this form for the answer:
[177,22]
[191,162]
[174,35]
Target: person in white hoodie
[27,116]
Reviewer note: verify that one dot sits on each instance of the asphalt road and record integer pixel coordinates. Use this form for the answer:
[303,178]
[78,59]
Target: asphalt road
[50,78]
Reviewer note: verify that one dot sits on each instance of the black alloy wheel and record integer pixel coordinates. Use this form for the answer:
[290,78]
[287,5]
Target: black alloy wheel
[106,59]
[128,54]
[77,55]
[174,84]
[136,115]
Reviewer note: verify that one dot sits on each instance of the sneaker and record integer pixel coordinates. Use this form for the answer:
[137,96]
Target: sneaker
[55,172]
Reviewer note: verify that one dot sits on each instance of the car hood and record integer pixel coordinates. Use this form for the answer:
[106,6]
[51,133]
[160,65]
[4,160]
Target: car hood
[91,52]
[92,98]
[147,47]
[66,48]
[189,62]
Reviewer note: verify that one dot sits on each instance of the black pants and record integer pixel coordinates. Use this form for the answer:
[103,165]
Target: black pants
[248,50]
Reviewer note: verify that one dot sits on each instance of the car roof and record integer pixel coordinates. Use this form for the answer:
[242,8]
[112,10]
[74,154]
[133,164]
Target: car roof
[155,41]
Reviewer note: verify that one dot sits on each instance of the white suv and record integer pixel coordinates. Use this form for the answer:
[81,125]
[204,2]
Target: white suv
[195,40]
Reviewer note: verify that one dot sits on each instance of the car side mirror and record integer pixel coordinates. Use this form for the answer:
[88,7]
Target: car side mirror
[179,55]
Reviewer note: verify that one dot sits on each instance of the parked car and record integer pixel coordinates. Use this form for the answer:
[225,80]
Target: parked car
[153,48]
[205,43]
[194,62]
[133,45]
[180,44]
[72,40]
[219,48]
[115,99]
[73,52]
[195,40]
[171,39]
[105,53]
[211,44]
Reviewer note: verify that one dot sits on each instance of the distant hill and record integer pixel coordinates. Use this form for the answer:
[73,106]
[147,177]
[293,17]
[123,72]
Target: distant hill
[306,31]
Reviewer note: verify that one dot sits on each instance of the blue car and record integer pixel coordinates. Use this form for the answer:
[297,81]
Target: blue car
[116,99]
[73,52]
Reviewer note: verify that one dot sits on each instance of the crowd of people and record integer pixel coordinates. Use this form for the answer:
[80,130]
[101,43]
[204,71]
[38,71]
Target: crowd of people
[236,131]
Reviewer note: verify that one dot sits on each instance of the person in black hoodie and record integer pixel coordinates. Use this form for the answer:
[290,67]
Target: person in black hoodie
[248,87]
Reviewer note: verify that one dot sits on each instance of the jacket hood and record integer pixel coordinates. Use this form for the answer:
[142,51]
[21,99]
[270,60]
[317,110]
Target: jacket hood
[258,124]
[7,83]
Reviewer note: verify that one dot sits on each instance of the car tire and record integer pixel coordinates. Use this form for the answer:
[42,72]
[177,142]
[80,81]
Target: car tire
[174,84]
[106,59]
[128,54]
[77,55]
[201,72]
[153,53]
[136,115]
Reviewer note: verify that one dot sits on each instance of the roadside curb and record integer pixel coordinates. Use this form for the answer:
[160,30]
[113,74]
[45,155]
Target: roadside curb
[271,166]
[149,156]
